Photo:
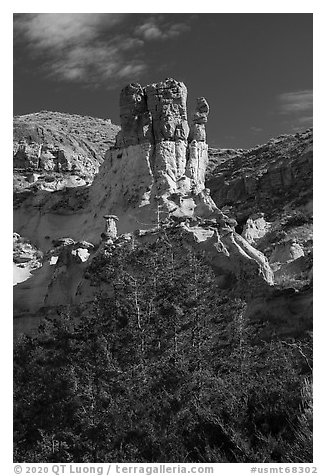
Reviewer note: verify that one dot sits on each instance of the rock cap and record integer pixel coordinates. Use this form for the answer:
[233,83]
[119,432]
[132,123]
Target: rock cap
[107,217]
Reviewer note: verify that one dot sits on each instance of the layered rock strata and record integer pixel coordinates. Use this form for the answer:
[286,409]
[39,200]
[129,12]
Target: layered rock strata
[267,178]
[154,143]
[53,150]
[197,129]
[26,258]
[56,281]
[152,177]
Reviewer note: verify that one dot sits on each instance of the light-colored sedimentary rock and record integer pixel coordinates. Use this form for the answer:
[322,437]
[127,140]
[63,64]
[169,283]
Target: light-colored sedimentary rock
[56,281]
[166,171]
[110,232]
[158,166]
[197,129]
[41,156]
[286,252]
[61,143]
[255,228]
[136,123]
[267,177]
[152,176]
[133,180]
[197,164]
[26,257]
[167,104]
[232,257]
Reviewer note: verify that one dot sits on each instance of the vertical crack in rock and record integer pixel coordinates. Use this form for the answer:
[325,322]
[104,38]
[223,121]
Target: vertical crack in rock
[199,119]
[158,161]
[156,115]
[167,104]
[152,178]
[136,120]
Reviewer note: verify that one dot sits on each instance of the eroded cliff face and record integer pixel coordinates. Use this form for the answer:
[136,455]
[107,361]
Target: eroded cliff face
[53,150]
[156,172]
[267,178]
[153,178]
[26,258]
[154,123]
[152,160]
[268,190]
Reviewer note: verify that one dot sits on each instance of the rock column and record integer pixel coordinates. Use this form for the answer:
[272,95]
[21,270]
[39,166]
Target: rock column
[136,122]
[198,149]
[111,232]
[199,119]
[167,104]
[155,152]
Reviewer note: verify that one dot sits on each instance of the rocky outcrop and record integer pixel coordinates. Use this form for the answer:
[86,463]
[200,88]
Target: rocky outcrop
[235,262]
[154,113]
[154,122]
[153,184]
[287,242]
[62,147]
[68,252]
[134,116]
[153,141]
[26,258]
[268,190]
[151,169]
[40,157]
[255,228]
[197,129]
[110,233]
[217,157]
[267,178]
[286,251]
[153,166]
[153,177]
[68,270]
[55,282]
[167,104]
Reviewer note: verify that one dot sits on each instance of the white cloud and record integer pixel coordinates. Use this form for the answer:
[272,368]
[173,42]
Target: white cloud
[59,30]
[132,69]
[149,31]
[94,64]
[73,48]
[177,29]
[92,48]
[296,102]
[296,107]
[256,130]
[159,29]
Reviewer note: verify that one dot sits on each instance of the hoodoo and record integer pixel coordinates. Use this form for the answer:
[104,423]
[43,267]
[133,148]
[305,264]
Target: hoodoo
[157,163]
[155,154]
[111,231]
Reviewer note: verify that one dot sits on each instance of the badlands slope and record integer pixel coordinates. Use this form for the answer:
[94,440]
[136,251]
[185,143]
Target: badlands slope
[255,228]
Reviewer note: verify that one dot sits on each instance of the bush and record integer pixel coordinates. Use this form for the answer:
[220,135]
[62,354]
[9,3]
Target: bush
[297,219]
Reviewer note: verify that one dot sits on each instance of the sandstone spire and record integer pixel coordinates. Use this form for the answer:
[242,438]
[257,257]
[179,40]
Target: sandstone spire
[158,161]
[199,119]
[111,231]
[154,140]
[134,115]
[153,179]
[167,104]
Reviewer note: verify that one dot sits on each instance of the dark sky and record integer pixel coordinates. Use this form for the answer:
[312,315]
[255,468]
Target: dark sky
[255,70]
